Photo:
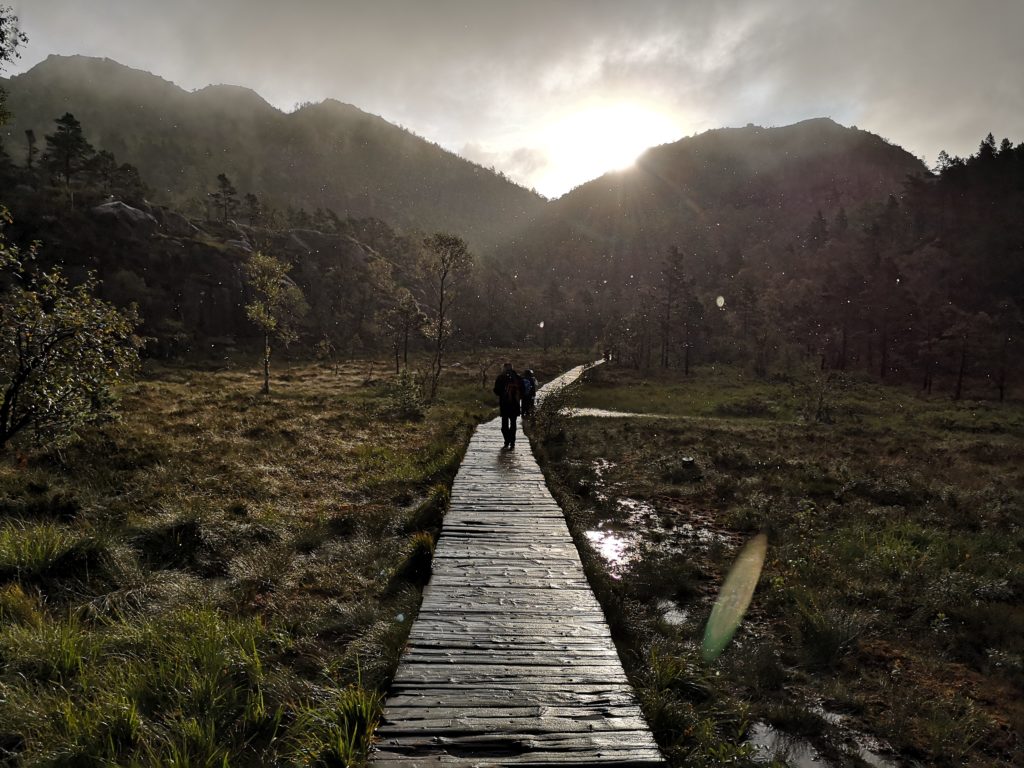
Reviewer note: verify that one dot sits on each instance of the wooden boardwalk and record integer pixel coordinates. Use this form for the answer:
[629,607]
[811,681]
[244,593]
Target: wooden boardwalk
[510,661]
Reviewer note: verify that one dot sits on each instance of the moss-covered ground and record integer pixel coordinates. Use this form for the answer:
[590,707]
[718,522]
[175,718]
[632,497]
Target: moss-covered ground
[891,603]
[219,577]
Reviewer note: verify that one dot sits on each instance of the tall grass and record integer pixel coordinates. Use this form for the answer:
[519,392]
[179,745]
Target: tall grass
[30,550]
[892,587]
[221,578]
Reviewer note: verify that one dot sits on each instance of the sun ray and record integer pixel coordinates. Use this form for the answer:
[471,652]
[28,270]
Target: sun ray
[596,138]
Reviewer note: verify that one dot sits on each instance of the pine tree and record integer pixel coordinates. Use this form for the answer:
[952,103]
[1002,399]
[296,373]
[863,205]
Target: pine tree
[841,224]
[987,148]
[253,209]
[817,232]
[225,199]
[67,151]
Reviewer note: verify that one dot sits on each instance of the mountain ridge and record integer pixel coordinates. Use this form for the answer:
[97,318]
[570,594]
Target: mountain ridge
[728,196]
[331,155]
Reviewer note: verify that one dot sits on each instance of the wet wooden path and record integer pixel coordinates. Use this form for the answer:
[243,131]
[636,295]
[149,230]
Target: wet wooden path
[510,661]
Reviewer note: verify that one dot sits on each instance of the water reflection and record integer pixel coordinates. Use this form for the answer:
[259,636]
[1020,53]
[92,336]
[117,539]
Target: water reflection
[601,466]
[602,413]
[672,613]
[615,548]
[638,511]
[771,744]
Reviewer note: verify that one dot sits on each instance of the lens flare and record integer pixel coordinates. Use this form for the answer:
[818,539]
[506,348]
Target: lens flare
[735,597]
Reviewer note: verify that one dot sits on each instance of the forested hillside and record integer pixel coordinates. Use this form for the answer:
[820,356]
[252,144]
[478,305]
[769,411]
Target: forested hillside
[811,244]
[328,156]
[776,247]
[726,199]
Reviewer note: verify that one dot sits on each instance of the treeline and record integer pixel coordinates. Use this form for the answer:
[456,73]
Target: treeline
[327,155]
[66,161]
[927,287]
[363,288]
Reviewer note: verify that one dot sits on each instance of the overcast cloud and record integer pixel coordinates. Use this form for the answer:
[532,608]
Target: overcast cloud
[488,78]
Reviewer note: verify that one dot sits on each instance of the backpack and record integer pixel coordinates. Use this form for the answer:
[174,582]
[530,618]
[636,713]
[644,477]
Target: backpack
[528,388]
[513,389]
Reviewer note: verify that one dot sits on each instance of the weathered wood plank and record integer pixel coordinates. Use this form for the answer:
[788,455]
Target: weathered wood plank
[510,661]
[629,758]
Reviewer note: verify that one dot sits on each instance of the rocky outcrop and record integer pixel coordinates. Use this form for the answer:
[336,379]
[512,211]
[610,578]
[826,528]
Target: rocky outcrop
[129,221]
[173,223]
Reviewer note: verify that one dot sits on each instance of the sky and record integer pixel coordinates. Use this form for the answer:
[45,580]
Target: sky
[556,92]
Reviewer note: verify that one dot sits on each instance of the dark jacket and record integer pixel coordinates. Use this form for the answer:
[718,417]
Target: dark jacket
[529,383]
[509,390]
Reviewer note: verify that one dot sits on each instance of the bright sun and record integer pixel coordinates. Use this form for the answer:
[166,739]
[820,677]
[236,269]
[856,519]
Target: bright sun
[599,138]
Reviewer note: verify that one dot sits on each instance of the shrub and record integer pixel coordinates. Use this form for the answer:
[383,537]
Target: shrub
[404,397]
[417,566]
[826,634]
[62,349]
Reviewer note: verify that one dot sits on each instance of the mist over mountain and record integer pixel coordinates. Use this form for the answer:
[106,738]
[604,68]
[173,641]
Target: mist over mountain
[328,155]
[725,197]
[751,245]
[736,189]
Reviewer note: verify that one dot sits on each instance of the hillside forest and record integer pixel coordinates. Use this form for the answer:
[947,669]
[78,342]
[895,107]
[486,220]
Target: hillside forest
[242,352]
[775,247]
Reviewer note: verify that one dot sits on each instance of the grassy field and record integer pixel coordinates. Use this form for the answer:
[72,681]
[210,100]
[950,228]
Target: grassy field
[220,577]
[891,605]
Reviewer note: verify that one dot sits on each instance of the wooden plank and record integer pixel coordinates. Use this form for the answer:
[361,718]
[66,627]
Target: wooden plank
[510,661]
[624,759]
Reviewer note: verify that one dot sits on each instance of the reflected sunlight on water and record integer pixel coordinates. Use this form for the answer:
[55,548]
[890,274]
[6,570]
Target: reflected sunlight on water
[606,414]
[613,547]
[771,744]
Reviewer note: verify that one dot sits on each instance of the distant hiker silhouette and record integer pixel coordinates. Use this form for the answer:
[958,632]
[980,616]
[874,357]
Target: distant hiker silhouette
[529,394]
[509,389]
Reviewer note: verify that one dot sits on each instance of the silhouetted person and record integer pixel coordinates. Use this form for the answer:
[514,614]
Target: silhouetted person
[509,389]
[529,394]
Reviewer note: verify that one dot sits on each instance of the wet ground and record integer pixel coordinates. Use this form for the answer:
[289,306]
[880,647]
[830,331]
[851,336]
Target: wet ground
[633,525]
[605,414]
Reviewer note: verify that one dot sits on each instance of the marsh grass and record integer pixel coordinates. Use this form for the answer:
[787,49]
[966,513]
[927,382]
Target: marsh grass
[219,577]
[893,584]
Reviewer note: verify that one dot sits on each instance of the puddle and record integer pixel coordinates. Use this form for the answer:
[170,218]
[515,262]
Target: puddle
[639,521]
[771,744]
[600,468]
[638,511]
[672,613]
[874,759]
[601,413]
[704,537]
[614,547]
[868,747]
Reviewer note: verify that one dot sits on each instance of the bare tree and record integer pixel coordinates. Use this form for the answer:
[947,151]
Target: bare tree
[401,321]
[444,264]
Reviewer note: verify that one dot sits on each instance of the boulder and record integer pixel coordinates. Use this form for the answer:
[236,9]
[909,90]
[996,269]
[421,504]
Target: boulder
[131,220]
[174,224]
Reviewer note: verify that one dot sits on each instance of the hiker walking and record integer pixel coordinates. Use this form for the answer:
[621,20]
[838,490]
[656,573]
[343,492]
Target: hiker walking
[509,389]
[529,393]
